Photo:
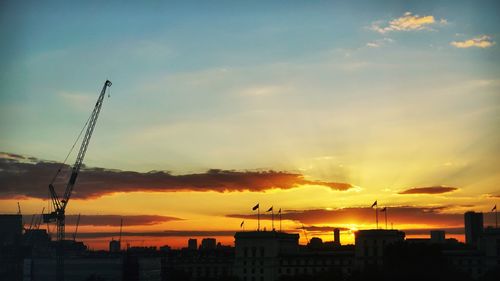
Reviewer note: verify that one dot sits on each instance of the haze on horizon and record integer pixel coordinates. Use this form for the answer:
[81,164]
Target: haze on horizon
[318,108]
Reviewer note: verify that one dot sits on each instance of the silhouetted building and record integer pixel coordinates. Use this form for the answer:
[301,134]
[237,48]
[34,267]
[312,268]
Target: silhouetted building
[39,242]
[438,236]
[316,243]
[370,245]
[336,236]
[257,253]
[473,227]
[489,244]
[208,243]
[130,269]
[114,246]
[190,265]
[192,244]
[165,248]
[11,229]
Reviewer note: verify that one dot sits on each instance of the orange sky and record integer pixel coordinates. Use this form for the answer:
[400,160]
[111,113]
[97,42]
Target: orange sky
[315,107]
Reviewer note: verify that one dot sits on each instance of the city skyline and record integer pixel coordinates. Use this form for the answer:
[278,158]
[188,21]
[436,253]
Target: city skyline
[315,108]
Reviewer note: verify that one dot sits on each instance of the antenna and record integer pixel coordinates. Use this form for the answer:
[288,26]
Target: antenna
[121,225]
[305,233]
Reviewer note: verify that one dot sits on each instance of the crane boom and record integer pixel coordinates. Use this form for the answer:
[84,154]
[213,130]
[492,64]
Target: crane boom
[60,204]
[85,144]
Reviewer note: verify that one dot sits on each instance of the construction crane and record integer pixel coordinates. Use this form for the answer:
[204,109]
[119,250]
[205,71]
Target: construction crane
[76,228]
[60,203]
[39,220]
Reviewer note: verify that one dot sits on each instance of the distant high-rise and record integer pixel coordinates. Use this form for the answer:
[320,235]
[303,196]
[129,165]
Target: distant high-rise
[336,236]
[473,227]
[208,243]
[192,244]
[11,229]
[114,246]
[438,236]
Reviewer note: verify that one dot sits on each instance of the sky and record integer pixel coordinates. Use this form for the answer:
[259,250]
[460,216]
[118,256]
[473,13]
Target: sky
[317,108]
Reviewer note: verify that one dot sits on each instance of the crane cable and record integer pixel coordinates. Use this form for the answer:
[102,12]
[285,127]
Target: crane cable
[70,151]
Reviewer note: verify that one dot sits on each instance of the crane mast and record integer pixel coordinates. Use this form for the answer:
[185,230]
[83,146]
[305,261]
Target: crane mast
[58,215]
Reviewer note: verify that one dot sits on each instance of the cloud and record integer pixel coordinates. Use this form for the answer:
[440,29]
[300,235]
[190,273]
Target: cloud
[483,41]
[379,42]
[408,22]
[315,228]
[429,190]
[166,233]
[29,177]
[397,215]
[114,220]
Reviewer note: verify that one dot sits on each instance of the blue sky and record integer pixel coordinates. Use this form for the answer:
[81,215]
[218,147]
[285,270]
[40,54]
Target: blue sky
[380,96]
[252,84]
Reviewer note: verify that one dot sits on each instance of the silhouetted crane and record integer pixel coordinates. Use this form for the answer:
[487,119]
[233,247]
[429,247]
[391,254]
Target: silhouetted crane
[60,204]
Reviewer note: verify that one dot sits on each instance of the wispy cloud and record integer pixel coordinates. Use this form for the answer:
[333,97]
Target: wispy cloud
[22,177]
[408,22]
[483,41]
[379,42]
[429,190]
[77,100]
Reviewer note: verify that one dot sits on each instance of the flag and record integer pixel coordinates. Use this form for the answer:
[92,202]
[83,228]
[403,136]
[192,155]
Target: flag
[494,208]
[279,212]
[242,223]
[384,209]
[270,209]
[255,207]
[374,204]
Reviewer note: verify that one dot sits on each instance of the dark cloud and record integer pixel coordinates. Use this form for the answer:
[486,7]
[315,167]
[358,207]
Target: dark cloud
[25,177]
[316,228]
[397,215]
[114,220]
[166,233]
[427,231]
[111,220]
[429,190]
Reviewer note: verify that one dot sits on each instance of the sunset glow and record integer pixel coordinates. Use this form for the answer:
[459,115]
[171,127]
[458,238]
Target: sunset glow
[314,108]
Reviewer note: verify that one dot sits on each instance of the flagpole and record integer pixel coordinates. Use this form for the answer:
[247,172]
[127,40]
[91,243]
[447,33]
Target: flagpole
[280,220]
[385,217]
[258,218]
[272,218]
[376,215]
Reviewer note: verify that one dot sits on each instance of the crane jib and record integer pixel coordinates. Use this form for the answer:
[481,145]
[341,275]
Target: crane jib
[59,204]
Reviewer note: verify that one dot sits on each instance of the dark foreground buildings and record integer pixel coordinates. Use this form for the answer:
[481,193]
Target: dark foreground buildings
[262,256]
